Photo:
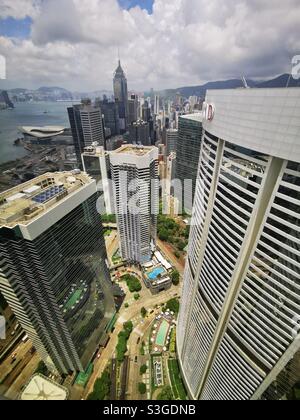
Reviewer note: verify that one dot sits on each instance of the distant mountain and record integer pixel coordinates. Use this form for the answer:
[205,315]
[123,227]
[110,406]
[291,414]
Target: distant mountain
[54,93]
[280,81]
[52,90]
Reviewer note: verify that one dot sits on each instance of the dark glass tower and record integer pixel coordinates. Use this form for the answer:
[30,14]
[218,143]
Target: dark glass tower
[53,268]
[188,151]
[87,127]
[110,112]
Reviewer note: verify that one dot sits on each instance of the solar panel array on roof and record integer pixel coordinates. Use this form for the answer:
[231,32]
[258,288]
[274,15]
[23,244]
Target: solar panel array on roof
[48,194]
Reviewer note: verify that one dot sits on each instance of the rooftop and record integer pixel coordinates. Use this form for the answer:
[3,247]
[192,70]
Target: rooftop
[40,388]
[134,150]
[96,151]
[22,204]
[43,132]
[194,117]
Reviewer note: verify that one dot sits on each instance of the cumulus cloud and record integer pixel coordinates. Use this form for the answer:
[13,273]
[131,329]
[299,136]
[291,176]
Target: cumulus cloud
[74,43]
[18,9]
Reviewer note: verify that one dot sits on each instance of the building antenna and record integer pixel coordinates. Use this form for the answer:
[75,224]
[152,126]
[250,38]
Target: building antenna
[246,86]
[289,78]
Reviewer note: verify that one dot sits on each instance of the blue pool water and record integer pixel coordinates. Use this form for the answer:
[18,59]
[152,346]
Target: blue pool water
[155,273]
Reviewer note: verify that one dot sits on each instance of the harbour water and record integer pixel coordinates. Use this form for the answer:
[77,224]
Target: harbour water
[28,114]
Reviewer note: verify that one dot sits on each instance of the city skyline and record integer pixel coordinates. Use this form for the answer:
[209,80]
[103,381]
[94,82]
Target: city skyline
[41,43]
[150,237]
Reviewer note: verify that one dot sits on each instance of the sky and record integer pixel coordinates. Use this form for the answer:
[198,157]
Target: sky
[162,43]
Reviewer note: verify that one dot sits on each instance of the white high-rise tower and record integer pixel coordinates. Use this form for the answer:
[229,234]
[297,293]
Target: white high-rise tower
[238,329]
[136,194]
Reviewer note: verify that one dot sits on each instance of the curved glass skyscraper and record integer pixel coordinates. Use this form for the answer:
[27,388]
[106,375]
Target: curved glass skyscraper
[238,332]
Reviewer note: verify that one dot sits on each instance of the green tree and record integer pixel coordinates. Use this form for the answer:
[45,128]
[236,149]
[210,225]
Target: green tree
[175,276]
[142,388]
[187,232]
[128,326]
[42,368]
[134,285]
[143,369]
[163,235]
[101,388]
[166,394]
[137,296]
[144,312]
[177,254]
[181,245]
[173,305]
[109,218]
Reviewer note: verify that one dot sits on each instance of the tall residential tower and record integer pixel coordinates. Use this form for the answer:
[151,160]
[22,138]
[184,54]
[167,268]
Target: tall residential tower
[136,193]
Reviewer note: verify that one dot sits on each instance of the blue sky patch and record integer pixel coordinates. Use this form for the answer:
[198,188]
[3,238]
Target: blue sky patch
[14,28]
[144,4]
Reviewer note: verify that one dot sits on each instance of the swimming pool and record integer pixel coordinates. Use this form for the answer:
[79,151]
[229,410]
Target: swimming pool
[162,334]
[155,273]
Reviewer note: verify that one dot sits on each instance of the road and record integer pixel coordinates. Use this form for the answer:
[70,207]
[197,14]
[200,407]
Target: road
[139,334]
[20,351]
[113,377]
[148,301]
[112,244]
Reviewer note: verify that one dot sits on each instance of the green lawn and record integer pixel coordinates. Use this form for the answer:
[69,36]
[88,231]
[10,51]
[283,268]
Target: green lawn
[73,299]
[176,381]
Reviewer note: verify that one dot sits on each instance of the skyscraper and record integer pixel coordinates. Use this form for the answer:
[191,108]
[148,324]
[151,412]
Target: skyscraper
[133,107]
[110,112]
[156,105]
[53,270]
[121,95]
[238,329]
[95,162]
[146,112]
[171,140]
[187,151]
[87,126]
[139,133]
[136,194]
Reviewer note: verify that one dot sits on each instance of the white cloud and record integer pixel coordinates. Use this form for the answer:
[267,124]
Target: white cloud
[74,42]
[18,9]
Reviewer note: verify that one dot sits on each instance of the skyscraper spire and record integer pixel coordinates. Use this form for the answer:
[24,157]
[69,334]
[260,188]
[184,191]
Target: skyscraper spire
[121,94]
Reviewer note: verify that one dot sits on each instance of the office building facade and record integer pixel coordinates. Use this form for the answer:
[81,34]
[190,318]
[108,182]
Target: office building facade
[171,140]
[238,330]
[95,162]
[87,126]
[139,133]
[133,108]
[188,151]
[53,267]
[110,111]
[156,105]
[136,195]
